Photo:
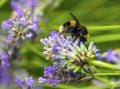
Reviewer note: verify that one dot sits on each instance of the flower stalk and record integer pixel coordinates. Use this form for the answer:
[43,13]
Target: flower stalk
[104,64]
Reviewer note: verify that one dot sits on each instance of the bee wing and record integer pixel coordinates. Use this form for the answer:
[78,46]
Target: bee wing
[75,19]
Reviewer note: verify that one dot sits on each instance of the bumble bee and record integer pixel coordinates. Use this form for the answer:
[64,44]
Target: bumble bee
[75,28]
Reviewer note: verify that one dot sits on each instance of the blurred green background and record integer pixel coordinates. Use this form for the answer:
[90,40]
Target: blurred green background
[101,17]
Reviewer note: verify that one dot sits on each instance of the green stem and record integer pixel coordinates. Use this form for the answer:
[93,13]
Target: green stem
[105,65]
[102,79]
[109,27]
[110,83]
[104,86]
[107,74]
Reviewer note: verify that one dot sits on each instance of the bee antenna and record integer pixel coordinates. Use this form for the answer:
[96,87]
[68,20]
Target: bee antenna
[75,18]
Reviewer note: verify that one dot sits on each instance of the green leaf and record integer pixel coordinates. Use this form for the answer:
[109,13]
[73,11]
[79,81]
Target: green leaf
[2,2]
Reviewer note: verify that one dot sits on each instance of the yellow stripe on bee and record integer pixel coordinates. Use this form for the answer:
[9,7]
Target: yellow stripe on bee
[61,29]
[117,50]
[86,36]
[72,23]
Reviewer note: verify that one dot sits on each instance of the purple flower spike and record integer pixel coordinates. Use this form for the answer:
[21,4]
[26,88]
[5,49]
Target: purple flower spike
[4,68]
[4,56]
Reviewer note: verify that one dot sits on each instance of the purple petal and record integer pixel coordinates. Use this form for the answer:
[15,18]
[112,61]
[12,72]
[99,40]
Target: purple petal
[110,56]
[56,47]
[14,4]
[54,34]
[23,21]
[99,56]
[29,81]
[33,27]
[20,13]
[42,80]
[19,82]
[53,81]
[29,35]
[7,24]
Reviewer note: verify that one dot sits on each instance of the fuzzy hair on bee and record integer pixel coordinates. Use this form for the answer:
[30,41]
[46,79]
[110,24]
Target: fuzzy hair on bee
[75,29]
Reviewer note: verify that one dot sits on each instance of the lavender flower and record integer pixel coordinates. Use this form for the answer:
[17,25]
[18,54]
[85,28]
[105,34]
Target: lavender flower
[51,76]
[113,56]
[26,83]
[24,21]
[35,7]
[61,74]
[28,6]
[58,47]
[71,59]
[22,27]
[4,71]
[8,50]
